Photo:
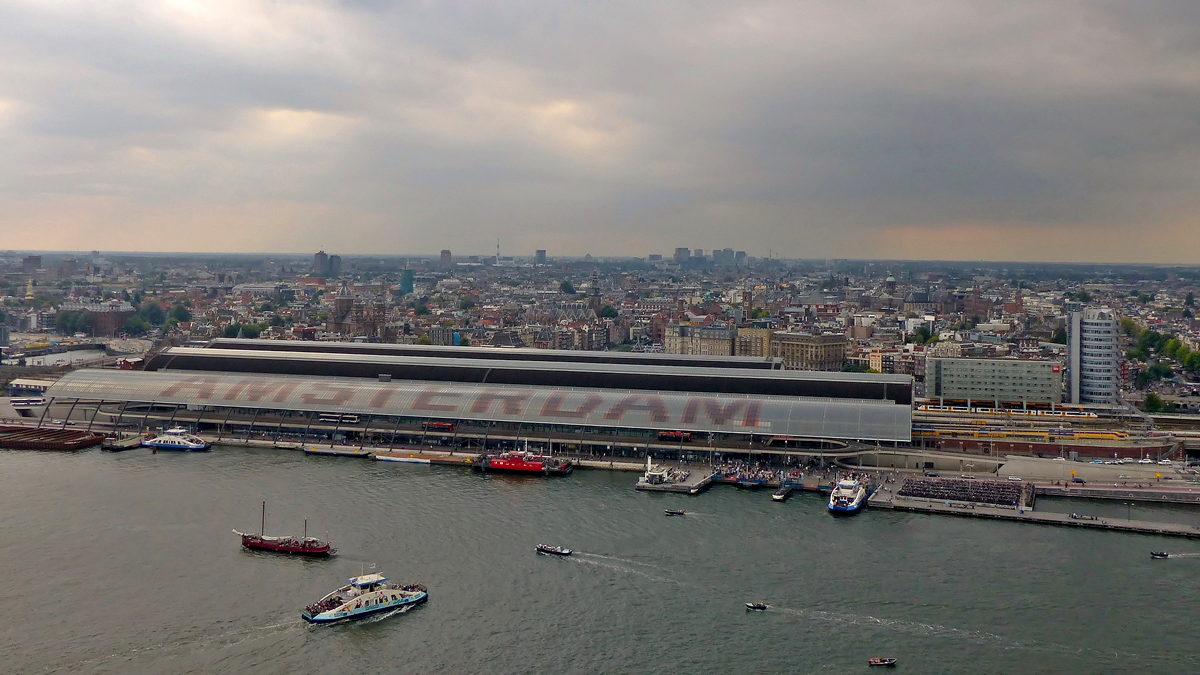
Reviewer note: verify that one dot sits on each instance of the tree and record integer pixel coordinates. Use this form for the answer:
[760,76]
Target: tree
[422,309]
[464,341]
[152,314]
[922,334]
[566,288]
[136,325]
[1059,337]
[608,312]
[424,340]
[1190,300]
[1130,327]
[1154,404]
[180,313]
[466,303]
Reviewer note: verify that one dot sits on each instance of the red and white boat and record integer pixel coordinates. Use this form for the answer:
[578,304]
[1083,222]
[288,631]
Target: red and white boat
[517,461]
[305,545]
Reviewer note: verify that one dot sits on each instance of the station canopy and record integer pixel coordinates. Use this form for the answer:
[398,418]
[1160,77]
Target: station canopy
[804,417]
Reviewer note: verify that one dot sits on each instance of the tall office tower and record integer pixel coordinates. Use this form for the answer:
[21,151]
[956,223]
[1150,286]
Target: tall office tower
[407,277]
[320,263]
[1091,354]
[682,255]
[447,259]
[334,266]
[539,257]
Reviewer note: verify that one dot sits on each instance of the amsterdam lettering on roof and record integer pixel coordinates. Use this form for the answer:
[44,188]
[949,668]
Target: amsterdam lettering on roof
[793,416]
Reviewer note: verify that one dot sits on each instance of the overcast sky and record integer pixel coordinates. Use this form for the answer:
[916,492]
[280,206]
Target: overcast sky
[946,129]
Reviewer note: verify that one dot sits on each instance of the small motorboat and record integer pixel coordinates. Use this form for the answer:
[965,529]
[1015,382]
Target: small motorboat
[885,662]
[553,550]
[756,606]
[1158,555]
[676,512]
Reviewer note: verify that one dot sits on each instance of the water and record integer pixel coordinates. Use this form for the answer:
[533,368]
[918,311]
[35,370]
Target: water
[125,563]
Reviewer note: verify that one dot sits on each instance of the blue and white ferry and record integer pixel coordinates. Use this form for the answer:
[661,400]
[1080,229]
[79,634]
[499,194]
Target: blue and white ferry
[363,596]
[177,438]
[848,496]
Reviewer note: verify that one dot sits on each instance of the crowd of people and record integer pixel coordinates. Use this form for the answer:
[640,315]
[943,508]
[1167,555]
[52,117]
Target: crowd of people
[994,493]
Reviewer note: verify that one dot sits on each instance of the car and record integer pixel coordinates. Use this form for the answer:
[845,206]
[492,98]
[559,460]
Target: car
[1014,478]
[1145,460]
[1060,459]
[1097,461]
[1079,480]
[1122,476]
[1164,462]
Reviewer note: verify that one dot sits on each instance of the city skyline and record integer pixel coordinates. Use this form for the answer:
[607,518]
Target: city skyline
[935,131]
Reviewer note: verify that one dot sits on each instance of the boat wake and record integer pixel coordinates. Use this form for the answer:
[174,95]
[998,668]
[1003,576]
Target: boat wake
[900,626]
[385,615]
[624,569]
[615,558]
[226,639]
[917,628]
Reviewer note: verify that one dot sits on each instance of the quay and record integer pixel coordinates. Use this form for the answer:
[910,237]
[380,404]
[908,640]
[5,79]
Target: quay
[693,483]
[889,498]
[1149,494]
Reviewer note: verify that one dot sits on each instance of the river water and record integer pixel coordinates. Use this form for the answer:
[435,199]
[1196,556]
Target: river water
[125,563]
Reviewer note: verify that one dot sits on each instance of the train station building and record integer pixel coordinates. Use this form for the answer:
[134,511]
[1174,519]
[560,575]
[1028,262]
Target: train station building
[485,400]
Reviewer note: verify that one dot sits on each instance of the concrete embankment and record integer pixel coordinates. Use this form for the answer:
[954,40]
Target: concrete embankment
[886,499]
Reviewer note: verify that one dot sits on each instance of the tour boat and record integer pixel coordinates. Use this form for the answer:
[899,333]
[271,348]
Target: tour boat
[552,550]
[886,662]
[1159,554]
[177,438]
[364,596]
[305,545]
[848,496]
[676,512]
[756,606]
[518,461]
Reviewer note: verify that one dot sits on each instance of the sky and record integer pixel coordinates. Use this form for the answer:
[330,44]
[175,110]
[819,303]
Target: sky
[925,129]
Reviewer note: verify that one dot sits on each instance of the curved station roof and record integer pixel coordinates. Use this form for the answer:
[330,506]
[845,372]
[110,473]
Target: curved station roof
[809,417]
[500,354]
[858,386]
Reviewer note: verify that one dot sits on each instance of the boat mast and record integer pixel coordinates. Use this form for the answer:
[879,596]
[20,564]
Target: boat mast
[306,529]
[262,530]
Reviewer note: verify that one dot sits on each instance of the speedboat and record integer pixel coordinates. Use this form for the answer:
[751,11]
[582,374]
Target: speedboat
[676,512]
[363,596]
[552,550]
[848,496]
[177,438]
[886,662]
[756,606]
[1159,555]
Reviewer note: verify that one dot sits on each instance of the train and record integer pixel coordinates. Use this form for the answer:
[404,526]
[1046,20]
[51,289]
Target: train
[1065,413]
[1002,433]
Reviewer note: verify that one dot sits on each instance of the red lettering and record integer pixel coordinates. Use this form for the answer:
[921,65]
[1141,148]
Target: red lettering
[340,394]
[721,414]
[646,402]
[256,390]
[382,397]
[204,386]
[425,400]
[512,402]
[553,407]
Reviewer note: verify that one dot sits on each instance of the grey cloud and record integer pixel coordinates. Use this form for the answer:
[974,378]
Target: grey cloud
[605,126]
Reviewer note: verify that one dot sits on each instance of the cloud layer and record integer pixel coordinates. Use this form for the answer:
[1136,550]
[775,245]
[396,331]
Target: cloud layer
[928,129]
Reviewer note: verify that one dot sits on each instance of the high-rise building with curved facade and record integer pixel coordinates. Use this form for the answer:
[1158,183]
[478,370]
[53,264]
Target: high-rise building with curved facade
[1092,354]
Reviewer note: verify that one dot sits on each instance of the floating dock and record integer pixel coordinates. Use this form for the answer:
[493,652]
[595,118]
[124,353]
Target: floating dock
[121,444]
[694,484]
[25,438]
[336,451]
[418,457]
[888,499]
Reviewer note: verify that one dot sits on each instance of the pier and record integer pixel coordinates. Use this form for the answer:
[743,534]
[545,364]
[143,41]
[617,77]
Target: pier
[888,497]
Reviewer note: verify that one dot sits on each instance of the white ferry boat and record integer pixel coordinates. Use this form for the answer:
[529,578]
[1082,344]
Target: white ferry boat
[363,596]
[848,496]
[177,438]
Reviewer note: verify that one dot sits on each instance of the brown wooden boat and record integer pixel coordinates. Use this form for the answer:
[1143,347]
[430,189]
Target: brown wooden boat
[305,545]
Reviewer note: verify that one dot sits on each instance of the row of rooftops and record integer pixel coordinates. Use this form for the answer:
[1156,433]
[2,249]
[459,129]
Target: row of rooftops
[509,367]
